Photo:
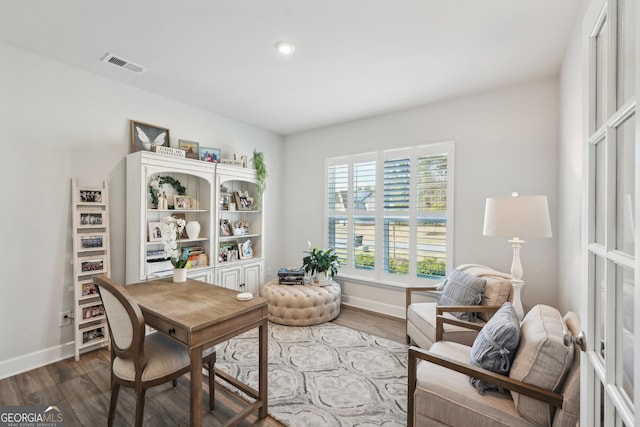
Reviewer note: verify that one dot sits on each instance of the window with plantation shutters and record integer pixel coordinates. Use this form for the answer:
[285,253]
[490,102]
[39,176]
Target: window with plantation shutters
[388,213]
[431,213]
[397,177]
[338,222]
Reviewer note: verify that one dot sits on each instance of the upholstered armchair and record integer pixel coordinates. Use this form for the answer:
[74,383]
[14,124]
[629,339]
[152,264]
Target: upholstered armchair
[542,386]
[423,317]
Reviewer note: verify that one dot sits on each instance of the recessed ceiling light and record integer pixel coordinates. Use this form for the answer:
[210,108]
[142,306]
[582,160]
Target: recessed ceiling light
[285,48]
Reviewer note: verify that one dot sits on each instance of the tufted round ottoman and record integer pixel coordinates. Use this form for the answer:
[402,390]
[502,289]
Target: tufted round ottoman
[299,305]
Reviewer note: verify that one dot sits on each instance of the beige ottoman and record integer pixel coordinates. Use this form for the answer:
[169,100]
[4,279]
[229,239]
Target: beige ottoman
[299,305]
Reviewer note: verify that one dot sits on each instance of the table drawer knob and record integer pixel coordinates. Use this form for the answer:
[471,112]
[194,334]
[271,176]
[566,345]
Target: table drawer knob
[172,331]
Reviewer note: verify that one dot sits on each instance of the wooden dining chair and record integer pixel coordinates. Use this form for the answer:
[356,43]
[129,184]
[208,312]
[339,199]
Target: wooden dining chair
[138,360]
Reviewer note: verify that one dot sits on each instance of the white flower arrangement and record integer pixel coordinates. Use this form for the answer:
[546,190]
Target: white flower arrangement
[171,229]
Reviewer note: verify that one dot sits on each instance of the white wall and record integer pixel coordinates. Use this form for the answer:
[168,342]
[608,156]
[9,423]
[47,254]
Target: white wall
[58,122]
[570,159]
[505,140]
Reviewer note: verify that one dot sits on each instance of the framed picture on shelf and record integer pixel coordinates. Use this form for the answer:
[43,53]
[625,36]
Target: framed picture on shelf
[243,201]
[155,231]
[228,252]
[91,242]
[91,265]
[190,149]
[92,334]
[145,136]
[93,311]
[240,228]
[223,202]
[225,227]
[209,154]
[246,249]
[91,219]
[88,288]
[90,196]
[182,202]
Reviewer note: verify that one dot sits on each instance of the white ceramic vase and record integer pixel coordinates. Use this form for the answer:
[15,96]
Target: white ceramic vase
[323,278]
[193,229]
[179,275]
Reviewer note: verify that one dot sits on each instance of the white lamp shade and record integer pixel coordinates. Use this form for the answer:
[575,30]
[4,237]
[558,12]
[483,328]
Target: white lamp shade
[519,216]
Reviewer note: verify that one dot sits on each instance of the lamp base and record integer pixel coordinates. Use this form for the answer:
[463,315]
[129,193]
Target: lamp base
[516,265]
[518,286]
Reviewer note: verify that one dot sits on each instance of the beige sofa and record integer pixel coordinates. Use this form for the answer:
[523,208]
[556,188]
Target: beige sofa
[422,317]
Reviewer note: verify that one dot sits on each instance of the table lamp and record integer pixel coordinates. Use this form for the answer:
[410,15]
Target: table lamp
[516,217]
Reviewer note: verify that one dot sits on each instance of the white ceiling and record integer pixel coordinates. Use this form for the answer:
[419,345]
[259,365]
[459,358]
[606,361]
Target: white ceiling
[353,59]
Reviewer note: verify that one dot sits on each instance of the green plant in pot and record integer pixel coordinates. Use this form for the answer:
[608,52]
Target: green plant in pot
[261,171]
[322,261]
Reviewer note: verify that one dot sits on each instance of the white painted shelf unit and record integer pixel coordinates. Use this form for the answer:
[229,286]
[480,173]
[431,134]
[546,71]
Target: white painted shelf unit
[202,184]
[91,256]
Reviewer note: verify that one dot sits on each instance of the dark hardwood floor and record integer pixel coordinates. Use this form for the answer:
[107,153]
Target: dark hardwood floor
[81,389]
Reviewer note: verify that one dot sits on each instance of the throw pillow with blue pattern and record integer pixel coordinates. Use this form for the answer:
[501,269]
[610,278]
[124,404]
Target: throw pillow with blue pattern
[495,346]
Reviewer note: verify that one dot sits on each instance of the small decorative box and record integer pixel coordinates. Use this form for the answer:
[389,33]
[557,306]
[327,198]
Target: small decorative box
[168,151]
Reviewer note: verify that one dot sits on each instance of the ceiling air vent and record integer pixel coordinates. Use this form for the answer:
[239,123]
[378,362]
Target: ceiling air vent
[122,63]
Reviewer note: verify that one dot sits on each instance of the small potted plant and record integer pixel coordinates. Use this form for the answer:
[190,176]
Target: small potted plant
[171,230]
[261,171]
[323,262]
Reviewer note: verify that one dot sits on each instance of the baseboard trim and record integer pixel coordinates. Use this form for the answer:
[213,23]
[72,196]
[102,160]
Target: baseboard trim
[375,313]
[28,362]
[374,306]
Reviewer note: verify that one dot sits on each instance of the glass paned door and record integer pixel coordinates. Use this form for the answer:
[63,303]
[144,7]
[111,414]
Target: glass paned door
[625,79]
[600,193]
[625,185]
[625,330]
[599,72]
[610,315]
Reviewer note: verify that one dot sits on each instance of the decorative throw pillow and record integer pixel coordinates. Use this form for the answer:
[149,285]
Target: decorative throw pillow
[495,346]
[496,292]
[542,360]
[462,288]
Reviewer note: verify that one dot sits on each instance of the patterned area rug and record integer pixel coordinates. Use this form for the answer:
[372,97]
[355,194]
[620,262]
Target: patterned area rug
[324,375]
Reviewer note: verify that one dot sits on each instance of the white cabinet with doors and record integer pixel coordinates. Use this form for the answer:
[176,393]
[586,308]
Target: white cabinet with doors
[230,237]
[239,216]
[187,185]
[243,277]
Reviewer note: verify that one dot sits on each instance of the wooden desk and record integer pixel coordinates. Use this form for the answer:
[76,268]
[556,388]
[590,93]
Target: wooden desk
[200,315]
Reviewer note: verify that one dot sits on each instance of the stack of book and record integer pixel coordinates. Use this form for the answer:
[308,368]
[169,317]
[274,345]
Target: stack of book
[291,276]
[156,255]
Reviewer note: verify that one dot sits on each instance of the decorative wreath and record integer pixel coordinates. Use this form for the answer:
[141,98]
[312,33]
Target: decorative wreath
[157,183]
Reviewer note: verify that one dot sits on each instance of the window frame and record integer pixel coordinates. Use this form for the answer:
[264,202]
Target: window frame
[378,275]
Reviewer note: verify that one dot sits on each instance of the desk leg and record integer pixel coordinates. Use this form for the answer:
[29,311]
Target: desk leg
[263,368]
[196,386]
